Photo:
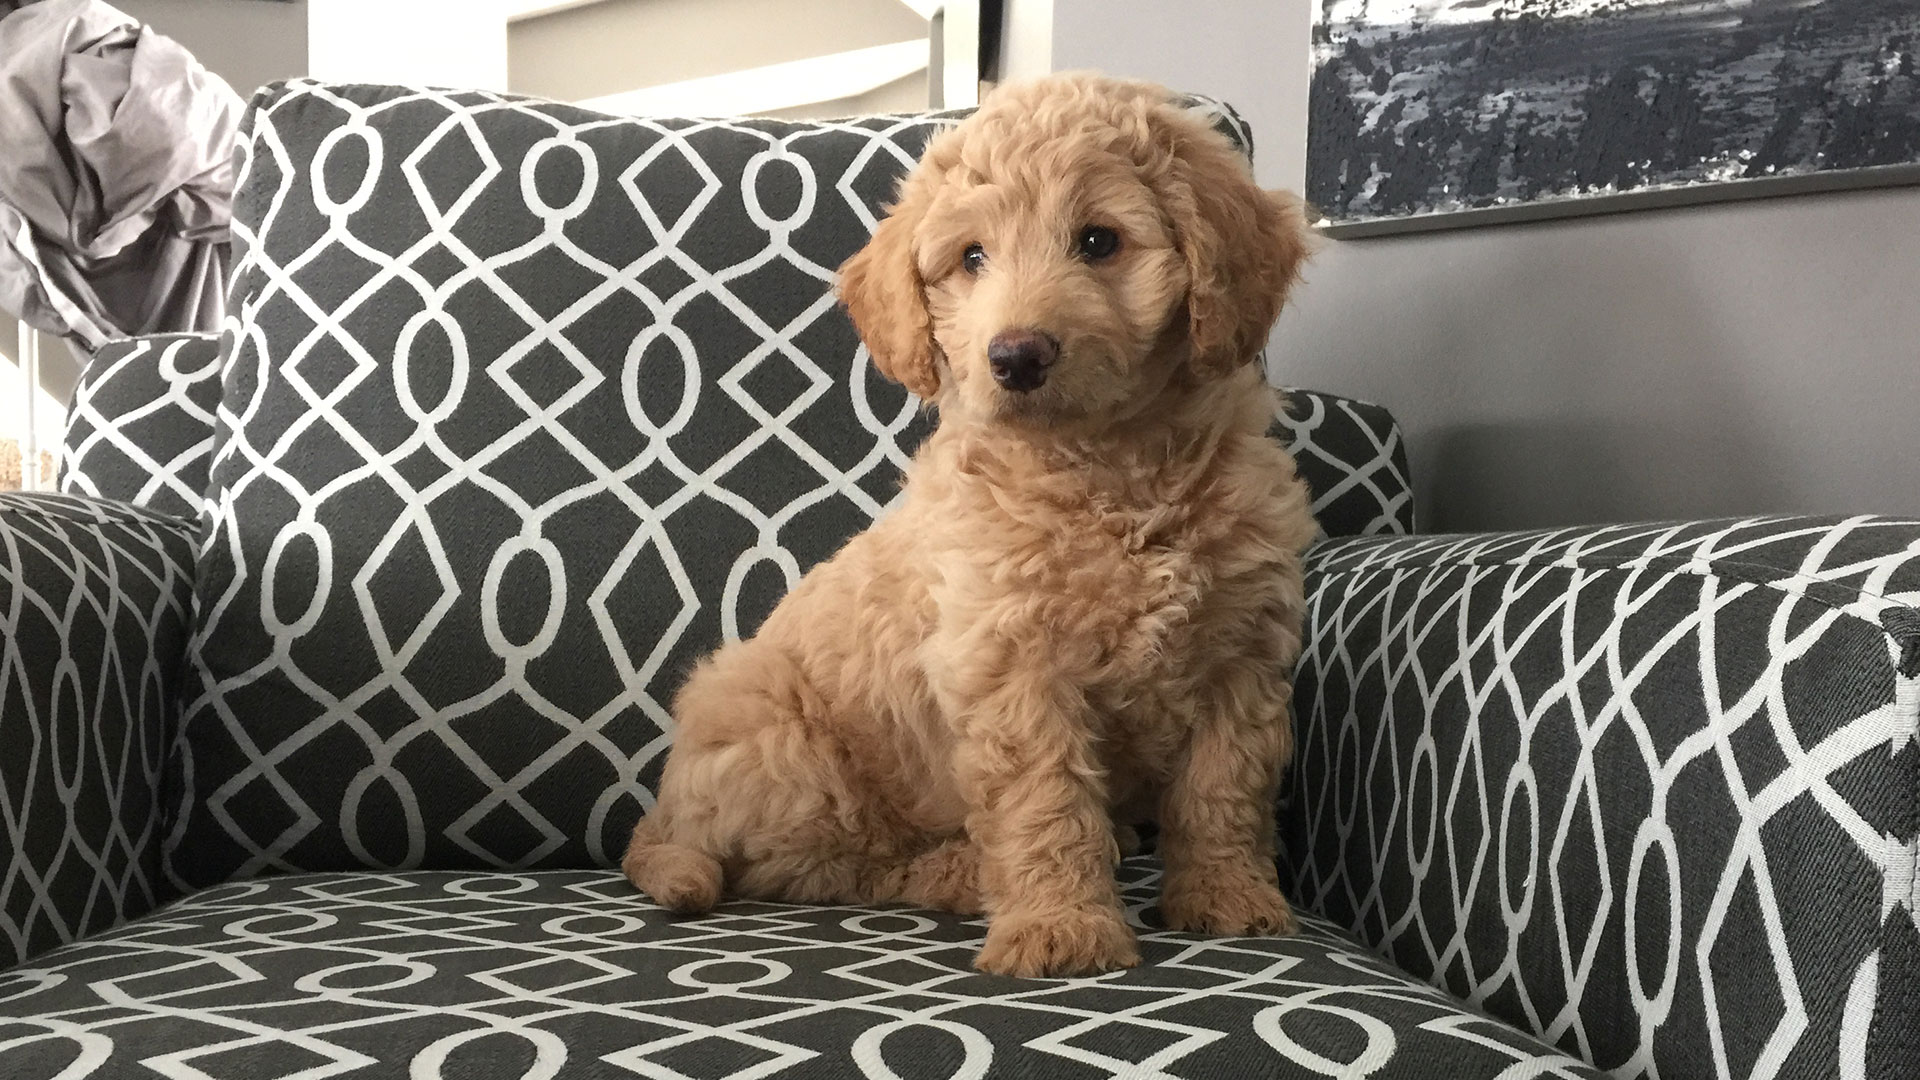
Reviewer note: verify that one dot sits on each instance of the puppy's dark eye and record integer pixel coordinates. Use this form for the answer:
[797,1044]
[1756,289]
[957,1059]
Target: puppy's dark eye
[973,258]
[1096,242]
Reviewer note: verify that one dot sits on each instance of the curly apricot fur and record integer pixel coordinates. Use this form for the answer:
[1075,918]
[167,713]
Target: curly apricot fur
[1087,606]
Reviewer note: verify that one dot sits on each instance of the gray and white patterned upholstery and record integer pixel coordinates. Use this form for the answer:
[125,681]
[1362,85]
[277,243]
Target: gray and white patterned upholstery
[1354,461]
[530,408]
[569,974]
[1647,791]
[140,428]
[93,629]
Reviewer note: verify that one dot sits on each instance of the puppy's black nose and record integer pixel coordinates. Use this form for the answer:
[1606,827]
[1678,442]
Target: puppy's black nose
[1020,358]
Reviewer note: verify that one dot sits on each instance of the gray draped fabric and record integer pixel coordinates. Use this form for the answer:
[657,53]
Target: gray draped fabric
[116,175]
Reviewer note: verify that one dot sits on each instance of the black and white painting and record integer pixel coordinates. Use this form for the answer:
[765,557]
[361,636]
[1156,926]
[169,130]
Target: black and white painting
[1435,113]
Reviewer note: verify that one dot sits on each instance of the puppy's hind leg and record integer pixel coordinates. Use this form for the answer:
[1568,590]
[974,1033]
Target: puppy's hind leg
[945,877]
[760,784]
[678,852]
[681,879]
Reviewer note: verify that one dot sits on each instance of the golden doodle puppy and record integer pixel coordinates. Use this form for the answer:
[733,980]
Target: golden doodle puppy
[1087,605]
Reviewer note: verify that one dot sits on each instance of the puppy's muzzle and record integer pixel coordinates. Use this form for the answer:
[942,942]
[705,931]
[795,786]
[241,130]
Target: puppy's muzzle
[1020,358]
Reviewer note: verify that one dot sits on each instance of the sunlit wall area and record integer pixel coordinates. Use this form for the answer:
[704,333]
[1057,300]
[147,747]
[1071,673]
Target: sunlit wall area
[30,428]
[784,58]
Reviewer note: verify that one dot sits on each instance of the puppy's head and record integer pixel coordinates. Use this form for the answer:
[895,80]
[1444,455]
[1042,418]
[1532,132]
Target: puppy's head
[1074,247]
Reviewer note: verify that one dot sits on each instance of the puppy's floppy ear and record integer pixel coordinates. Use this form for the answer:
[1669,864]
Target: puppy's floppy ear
[881,287]
[1243,247]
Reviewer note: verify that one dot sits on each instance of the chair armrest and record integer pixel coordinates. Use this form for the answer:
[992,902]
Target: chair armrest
[94,598]
[1651,792]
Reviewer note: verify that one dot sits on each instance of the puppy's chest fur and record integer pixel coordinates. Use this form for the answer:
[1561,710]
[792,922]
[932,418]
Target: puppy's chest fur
[1136,588]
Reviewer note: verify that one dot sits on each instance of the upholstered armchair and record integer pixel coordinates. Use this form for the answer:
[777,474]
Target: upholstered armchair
[333,680]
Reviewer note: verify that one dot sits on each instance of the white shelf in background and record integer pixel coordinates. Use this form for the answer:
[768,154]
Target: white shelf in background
[775,86]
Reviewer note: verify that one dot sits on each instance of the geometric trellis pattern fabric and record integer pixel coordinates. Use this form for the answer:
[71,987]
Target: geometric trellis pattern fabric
[525,409]
[93,629]
[141,431]
[567,973]
[1650,792]
[1354,461]
[141,426]
[530,407]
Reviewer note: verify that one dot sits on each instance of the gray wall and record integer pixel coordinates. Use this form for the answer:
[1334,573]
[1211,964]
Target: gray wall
[1740,358]
[249,43]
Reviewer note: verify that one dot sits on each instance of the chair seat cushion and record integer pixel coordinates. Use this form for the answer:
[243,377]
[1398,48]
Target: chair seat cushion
[570,973]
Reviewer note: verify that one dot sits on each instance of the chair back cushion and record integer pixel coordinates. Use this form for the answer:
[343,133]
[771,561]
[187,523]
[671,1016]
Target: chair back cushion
[140,428]
[1354,460]
[524,408]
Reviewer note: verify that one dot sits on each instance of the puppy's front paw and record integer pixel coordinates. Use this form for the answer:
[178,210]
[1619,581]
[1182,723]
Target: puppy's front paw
[1078,941]
[1238,909]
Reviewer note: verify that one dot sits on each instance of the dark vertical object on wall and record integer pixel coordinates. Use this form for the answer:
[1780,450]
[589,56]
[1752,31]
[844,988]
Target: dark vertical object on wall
[993,19]
[1520,109]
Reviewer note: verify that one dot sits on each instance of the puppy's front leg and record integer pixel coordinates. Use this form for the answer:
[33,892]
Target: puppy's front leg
[1216,817]
[1038,809]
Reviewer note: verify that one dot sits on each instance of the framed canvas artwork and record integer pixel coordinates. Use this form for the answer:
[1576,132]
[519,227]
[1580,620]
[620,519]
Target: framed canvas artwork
[1442,113]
